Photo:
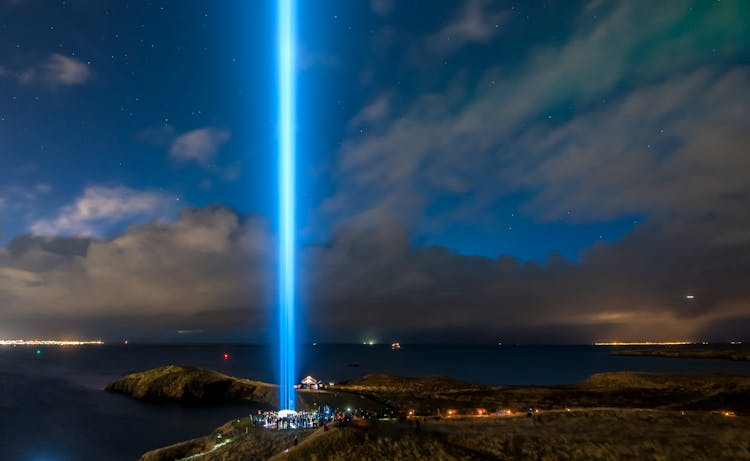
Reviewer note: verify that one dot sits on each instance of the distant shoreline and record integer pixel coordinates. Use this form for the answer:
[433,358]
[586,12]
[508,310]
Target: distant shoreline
[687,353]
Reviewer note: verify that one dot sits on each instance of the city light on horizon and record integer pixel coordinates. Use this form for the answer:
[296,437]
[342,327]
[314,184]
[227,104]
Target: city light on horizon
[49,342]
[645,343]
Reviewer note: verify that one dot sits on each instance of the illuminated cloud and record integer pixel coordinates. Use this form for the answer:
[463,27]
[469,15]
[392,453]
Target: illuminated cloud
[207,269]
[212,269]
[102,208]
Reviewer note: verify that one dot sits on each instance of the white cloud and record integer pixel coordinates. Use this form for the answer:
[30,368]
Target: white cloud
[64,70]
[101,208]
[207,259]
[200,145]
[56,70]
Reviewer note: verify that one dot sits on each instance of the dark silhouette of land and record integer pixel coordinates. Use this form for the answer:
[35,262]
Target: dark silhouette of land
[741,355]
[621,415]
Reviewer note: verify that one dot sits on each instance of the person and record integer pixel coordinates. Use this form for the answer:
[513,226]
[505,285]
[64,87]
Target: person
[417,421]
[296,441]
[325,427]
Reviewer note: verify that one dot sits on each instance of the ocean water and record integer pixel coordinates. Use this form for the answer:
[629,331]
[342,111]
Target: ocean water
[53,407]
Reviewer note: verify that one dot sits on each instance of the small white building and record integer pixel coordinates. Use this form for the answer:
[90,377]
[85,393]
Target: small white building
[311,383]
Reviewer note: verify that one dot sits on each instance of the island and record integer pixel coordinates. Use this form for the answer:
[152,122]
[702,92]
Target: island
[622,415]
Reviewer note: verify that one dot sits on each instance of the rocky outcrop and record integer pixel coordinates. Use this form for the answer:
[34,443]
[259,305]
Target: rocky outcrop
[179,383]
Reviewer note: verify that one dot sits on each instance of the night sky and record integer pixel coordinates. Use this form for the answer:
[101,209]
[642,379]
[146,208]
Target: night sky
[536,172]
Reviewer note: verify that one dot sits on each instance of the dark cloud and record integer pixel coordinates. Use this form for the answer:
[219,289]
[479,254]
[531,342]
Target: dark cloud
[171,275]
[213,270]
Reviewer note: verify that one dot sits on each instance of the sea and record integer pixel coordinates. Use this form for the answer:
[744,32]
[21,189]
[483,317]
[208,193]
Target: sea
[53,406]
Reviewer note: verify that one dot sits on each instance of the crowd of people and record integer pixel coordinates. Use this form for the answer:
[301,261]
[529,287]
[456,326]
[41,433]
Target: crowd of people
[292,420]
[310,419]
[289,420]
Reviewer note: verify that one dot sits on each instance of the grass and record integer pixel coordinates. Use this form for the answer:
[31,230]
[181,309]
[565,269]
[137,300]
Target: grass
[194,385]
[241,441]
[609,416]
[591,434]
[622,389]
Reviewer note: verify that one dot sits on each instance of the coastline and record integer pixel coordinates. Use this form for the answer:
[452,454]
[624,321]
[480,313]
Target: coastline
[742,355]
[455,416]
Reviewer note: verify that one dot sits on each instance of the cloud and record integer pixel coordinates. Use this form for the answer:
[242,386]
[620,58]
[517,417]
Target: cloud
[66,71]
[382,7]
[17,194]
[308,59]
[101,209]
[159,136]
[476,23]
[200,145]
[638,153]
[57,70]
[375,111]
[630,289]
[199,272]
[213,270]
[574,125]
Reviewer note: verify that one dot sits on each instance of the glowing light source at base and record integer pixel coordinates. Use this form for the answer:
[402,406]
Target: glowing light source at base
[286,154]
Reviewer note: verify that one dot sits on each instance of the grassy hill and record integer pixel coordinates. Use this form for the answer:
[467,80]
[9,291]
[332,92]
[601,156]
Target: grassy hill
[592,434]
[193,385]
[609,416]
[623,389]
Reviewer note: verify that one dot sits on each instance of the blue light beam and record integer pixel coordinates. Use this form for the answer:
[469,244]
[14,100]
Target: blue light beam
[286,39]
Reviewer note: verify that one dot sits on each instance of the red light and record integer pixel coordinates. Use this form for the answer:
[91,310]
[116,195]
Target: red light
[226,356]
